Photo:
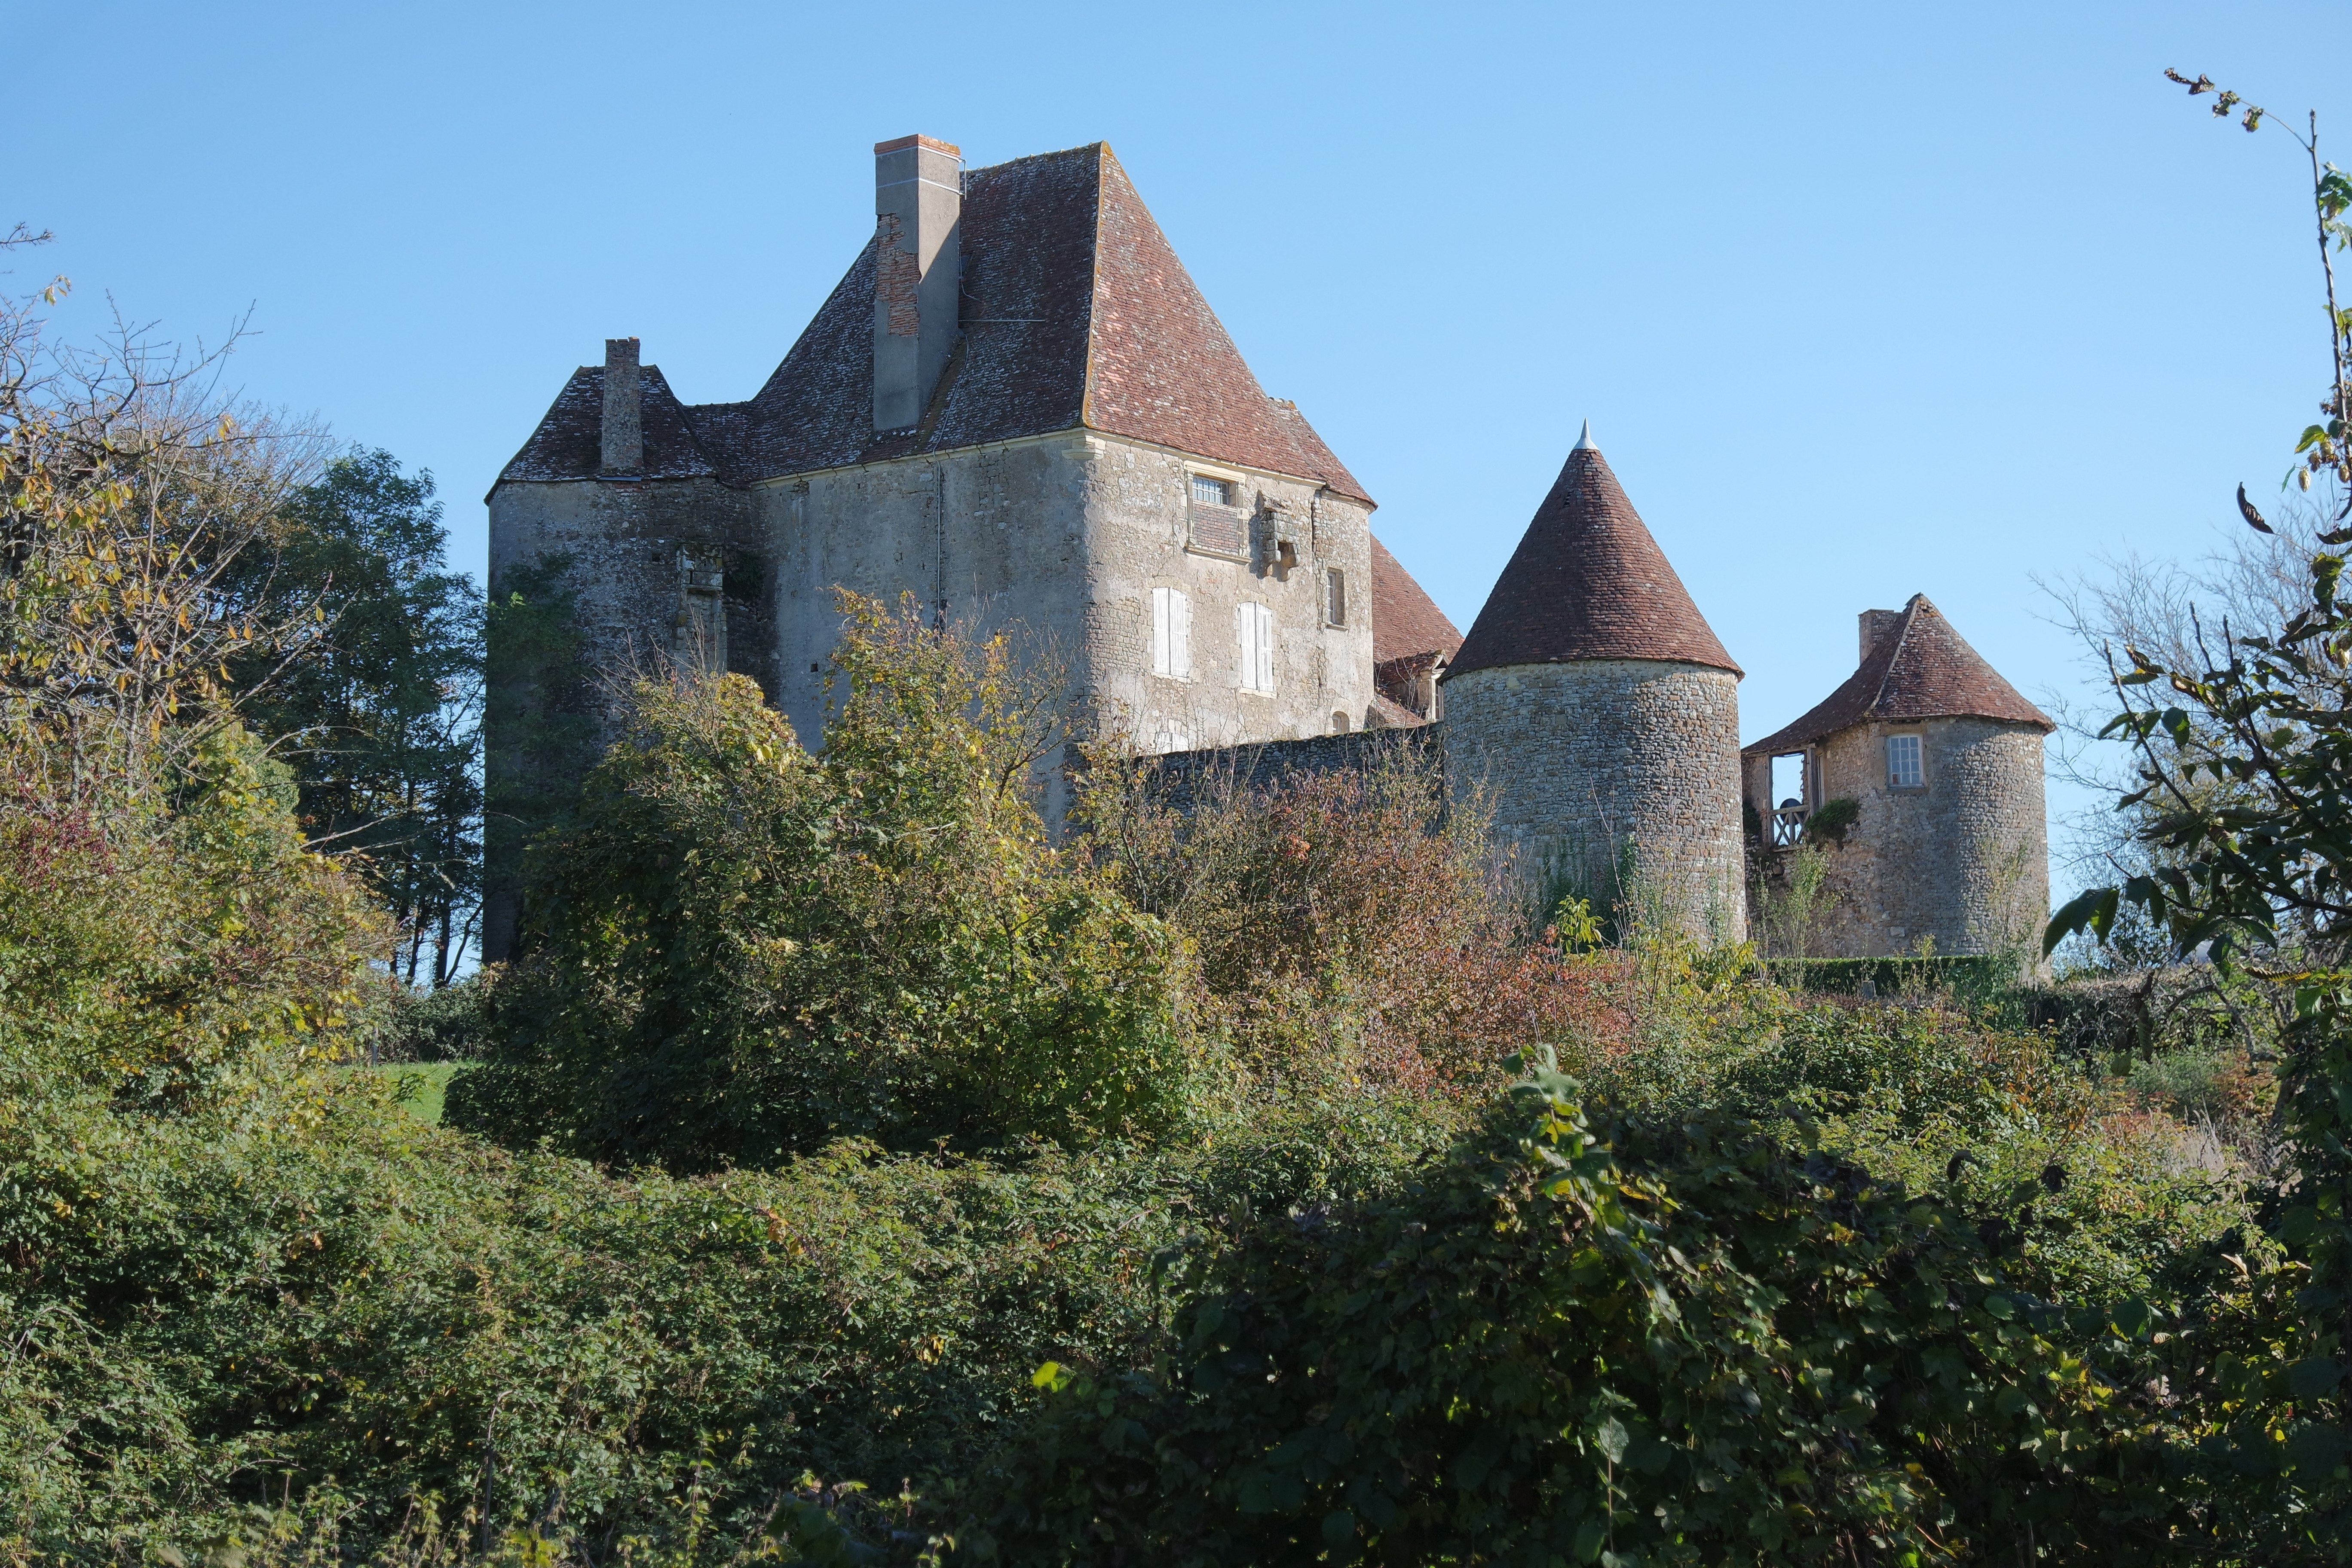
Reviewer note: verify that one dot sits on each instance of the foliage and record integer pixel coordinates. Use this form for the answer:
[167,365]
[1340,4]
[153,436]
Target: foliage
[1598,1335]
[539,728]
[741,950]
[378,707]
[1352,924]
[1832,819]
[2253,867]
[1976,975]
[128,496]
[154,954]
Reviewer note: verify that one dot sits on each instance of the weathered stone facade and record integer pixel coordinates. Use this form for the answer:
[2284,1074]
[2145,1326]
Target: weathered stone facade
[642,555]
[1584,761]
[1922,793]
[1963,860]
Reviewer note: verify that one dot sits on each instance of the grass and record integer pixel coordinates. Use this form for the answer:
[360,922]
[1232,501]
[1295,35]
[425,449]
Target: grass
[423,1085]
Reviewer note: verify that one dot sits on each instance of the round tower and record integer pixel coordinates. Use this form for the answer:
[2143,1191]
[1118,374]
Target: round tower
[1922,786]
[1601,715]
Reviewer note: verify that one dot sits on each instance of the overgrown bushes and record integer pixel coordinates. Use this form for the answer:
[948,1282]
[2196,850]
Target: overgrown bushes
[739,950]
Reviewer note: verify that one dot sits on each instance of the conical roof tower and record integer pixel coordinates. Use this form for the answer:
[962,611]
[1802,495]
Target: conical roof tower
[1600,714]
[1588,582]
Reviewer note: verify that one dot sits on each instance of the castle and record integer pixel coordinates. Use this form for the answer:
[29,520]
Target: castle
[1016,406]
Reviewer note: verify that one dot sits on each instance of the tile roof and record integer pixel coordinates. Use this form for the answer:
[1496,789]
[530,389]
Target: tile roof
[1918,668]
[1588,582]
[568,442]
[1076,313]
[1405,620]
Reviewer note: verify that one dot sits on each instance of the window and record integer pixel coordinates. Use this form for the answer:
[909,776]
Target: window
[1334,597]
[1171,634]
[1218,525]
[1903,770]
[1254,625]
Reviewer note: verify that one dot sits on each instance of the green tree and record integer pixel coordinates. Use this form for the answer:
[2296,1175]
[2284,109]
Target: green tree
[378,707]
[736,950]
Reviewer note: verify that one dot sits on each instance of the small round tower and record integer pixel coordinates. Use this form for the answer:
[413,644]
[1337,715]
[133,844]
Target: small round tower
[1597,708]
[1922,786]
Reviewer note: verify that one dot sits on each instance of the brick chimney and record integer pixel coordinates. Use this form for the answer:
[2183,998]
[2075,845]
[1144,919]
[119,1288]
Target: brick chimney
[917,198]
[1877,624]
[625,430]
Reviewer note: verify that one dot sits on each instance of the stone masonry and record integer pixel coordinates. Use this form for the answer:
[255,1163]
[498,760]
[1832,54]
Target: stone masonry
[1600,768]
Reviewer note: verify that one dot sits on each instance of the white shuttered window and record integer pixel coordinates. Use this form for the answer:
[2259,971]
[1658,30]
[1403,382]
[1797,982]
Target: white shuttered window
[1171,634]
[1254,625]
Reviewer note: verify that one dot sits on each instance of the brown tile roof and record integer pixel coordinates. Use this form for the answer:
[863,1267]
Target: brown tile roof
[1588,582]
[1405,621]
[1919,668]
[1075,312]
[568,444]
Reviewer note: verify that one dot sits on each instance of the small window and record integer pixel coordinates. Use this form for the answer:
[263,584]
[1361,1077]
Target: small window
[1218,525]
[1334,597]
[1254,626]
[1171,634]
[1338,722]
[1902,769]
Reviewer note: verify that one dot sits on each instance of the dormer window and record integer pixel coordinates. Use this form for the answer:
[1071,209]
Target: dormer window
[1904,769]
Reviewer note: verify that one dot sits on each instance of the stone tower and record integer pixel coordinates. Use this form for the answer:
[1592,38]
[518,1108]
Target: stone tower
[1602,715]
[1920,779]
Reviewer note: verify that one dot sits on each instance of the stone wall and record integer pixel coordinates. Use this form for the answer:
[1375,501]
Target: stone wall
[1964,860]
[624,538]
[1067,535]
[1183,779]
[1581,760]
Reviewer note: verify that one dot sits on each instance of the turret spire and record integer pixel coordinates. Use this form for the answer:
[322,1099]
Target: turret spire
[1587,583]
[1584,442]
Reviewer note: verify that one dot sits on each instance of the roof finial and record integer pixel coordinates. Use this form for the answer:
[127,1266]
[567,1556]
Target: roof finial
[1584,442]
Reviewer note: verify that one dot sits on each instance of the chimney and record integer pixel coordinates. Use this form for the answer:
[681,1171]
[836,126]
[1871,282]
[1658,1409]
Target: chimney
[1877,624]
[918,198]
[625,430]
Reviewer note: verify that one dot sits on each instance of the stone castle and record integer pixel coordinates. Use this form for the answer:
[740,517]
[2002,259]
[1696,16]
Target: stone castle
[1017,407]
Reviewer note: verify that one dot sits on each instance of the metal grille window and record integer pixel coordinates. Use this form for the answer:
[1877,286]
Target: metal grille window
[1218,525]
[1171,634]
[1902,769]
[1253,625]
[1334,597]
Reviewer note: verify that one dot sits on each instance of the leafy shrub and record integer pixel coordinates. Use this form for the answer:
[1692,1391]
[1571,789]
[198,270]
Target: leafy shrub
[741,950]
[1669,1338]
[1353,924]
[164,952]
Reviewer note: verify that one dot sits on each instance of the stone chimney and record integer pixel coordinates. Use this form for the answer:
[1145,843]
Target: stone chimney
[918,199]
[1877,624]
[625,427]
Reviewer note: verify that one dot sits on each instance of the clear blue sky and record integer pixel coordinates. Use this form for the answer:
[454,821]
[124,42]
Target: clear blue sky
[1862,301]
